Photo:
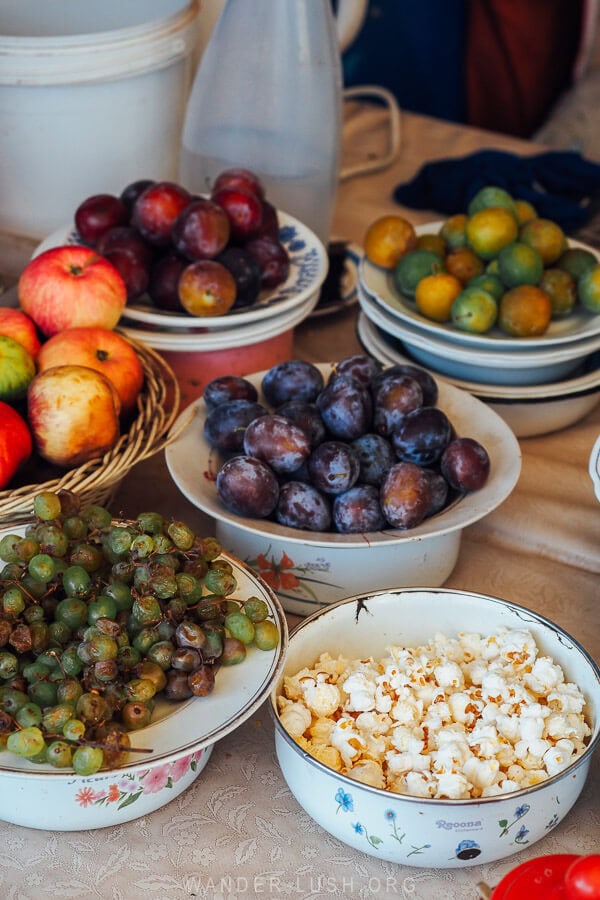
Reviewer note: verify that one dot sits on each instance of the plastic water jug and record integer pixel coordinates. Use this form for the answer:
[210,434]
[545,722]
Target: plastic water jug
[267,96]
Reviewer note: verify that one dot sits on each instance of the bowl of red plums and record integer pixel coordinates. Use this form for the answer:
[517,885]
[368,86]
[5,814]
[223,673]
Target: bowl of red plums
[225,262]
[343,476]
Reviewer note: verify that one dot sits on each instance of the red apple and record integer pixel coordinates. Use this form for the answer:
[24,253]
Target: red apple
[20,327]
[16,445]
[100,349]
[73,413]
[71,287]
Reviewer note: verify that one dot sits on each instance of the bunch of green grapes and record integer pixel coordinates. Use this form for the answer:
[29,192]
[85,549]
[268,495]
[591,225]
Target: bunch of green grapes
[98,617]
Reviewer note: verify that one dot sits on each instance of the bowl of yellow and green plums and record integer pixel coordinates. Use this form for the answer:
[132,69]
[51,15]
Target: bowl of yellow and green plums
[495,294]
[128,648]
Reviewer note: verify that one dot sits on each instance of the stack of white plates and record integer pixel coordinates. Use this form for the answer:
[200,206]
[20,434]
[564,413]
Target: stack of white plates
[276,311]
[537,384]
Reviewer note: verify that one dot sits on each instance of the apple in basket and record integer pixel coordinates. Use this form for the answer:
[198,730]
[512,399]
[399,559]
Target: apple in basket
[69,287]
[20,327]
[100,349]
[73,412]
[15,443]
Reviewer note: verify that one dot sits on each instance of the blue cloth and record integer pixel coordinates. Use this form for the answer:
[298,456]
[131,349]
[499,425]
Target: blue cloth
[561,185]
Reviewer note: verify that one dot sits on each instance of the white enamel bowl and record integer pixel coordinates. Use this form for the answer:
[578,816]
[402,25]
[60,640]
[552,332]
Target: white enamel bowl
[311,569]
[176,746]
[530,410]
[502,367]
[412,831]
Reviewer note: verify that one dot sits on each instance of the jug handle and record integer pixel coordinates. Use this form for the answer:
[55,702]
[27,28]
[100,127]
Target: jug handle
[350,17]
[377,163]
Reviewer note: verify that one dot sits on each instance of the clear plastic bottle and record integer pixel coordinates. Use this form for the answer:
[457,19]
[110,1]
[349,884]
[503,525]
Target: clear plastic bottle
[267,96]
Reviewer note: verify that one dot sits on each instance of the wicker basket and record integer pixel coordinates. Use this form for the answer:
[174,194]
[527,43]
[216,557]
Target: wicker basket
[97,480]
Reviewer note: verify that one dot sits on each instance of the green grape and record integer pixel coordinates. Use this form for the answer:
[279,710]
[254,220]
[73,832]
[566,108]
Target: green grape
[96,516]
[135,715]
[69,690]
[213,647]
[27,742]
[210,548]
[92,708]
[231,606]
[87,760]
[69,660]
[240,626]
[76,581]
[103,607]
[266,636]
[36,671]
[42,567]
[11,700]
[29,714]
[151,522]
[46,505]
[8,548]
[115,743]
[99,647]
[53,540]
[50,658]
[75,528]
[123,570]
[73,730]
[164,585]
[256,609]
[161,653]
[234,652]
[121,594]
[13,602]
[26,549]
[176,609]
[162,543]
[9,665]
[59,633]
[151,671]
[142,546]
[170,560]
[5,632]
[219,581]
[54,718]
[188,587]
[11,572]
[43,693]
[147,610]
[105,671]
[33,613]
[59,754]
[181,535]
[72,611]
[88,556]
[40,639]
[141,689]
[128,658]
[119,539]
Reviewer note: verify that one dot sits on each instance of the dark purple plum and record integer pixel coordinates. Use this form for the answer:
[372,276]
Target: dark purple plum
[465,464]
[279,442]
[246,273]
[307,416]
[395,397]
[248,487]
[133,271]
[361,367]
[228,387]
[294,379]
[301,505]
[346,408]
[333,467]
[422,435]
[130,193]
[358,510]
[427,382]
[376,456]
[124,237]
[164,280]
[225,425]
[439,491]
[405,495]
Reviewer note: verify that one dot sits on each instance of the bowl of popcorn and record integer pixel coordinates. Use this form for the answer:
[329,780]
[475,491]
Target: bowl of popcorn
[435,727]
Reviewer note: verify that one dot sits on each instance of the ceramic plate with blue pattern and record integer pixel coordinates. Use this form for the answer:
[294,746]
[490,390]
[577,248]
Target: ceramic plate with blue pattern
[308,269]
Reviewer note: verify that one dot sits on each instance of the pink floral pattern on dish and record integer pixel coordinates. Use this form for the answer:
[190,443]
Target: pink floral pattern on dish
[131,786]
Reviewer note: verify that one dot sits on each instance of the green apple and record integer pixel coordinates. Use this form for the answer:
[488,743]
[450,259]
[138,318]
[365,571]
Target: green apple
[17,369]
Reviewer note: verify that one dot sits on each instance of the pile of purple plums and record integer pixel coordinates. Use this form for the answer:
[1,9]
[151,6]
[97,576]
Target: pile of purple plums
[366,450]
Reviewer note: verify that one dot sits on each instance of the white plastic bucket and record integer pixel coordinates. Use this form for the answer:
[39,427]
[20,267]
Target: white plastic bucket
[92,97]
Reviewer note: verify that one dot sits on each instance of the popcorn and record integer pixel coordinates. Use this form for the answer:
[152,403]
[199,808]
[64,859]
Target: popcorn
[457,718]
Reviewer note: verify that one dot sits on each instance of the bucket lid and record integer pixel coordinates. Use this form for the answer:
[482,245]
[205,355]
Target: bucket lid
[101,56]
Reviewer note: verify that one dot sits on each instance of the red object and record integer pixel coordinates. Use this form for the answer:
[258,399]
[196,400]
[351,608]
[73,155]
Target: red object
[538,879]
[15,443]
[582,880]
